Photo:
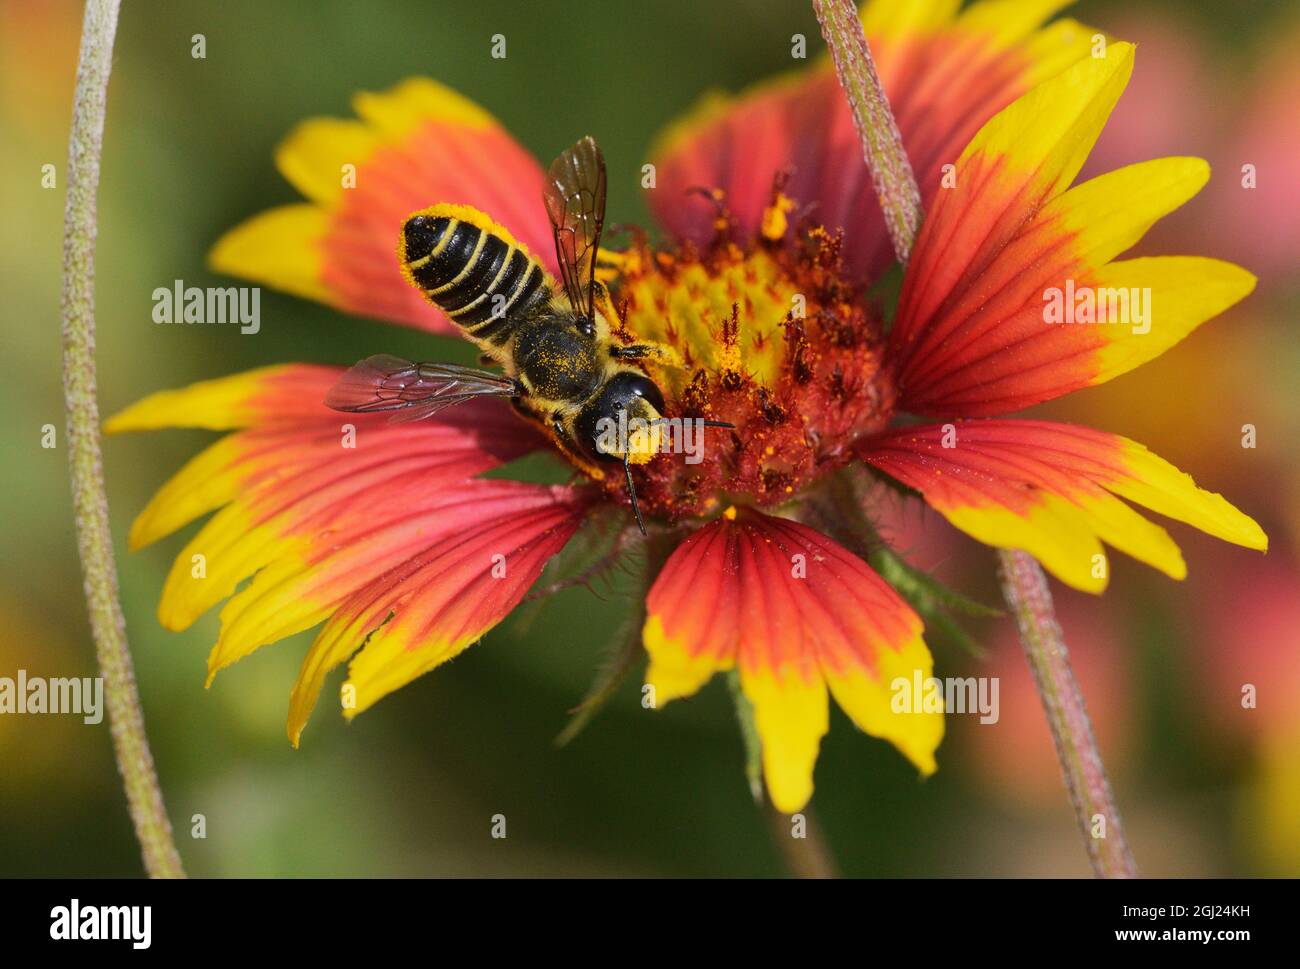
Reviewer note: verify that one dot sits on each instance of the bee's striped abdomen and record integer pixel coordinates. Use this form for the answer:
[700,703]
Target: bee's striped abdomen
[472,269]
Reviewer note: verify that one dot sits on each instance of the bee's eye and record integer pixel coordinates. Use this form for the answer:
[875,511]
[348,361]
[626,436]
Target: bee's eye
[628,392]
[639,385]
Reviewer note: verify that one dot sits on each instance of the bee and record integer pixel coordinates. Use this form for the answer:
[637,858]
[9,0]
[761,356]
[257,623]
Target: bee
[561,366]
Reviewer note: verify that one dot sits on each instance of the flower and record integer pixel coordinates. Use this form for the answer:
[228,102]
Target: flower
[407,557]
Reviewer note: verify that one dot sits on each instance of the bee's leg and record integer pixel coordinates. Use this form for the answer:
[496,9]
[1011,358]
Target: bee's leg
[634,351]
[605,304]
[640,351]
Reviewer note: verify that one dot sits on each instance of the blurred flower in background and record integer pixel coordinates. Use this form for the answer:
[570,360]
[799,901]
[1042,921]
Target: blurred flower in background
[1250,661]
[1237,412]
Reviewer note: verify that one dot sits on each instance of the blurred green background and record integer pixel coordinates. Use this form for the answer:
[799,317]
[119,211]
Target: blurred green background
[410,787]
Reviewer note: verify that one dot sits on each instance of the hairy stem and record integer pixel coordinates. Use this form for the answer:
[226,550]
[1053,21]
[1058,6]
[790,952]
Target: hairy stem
[1023,583]
[882,145]
[90,502]
[1026,591]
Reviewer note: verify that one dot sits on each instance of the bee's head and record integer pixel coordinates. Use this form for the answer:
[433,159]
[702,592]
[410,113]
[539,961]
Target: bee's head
[619,420]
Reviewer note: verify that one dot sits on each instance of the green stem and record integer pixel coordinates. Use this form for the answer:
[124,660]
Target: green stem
[1023,583]
[90,502]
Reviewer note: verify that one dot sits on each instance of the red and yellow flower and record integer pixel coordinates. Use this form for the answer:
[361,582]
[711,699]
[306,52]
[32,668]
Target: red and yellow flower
[407,557]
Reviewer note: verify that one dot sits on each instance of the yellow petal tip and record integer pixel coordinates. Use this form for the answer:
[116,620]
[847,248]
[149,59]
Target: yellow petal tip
[279,247]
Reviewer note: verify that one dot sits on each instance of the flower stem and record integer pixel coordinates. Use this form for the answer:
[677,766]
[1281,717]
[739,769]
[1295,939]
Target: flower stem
[806,856]
[90,502]
[1023,583]
[1026,591]
[882,145]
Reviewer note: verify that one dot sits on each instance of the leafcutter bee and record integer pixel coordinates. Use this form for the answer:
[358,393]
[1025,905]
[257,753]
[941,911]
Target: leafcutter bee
[562,367]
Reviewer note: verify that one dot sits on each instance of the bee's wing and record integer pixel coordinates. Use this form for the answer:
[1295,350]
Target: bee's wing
[575,201]
[412,391]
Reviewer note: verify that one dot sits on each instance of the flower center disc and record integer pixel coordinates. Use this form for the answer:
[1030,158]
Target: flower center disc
[772,340]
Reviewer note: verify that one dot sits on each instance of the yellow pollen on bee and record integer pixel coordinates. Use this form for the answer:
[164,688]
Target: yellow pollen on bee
[644,443]
[604,305]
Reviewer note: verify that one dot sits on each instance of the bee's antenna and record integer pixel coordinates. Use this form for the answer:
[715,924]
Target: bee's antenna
[631,492]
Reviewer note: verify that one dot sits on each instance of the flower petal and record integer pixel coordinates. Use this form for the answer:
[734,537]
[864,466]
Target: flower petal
[295,470]
[345,517]
[797,613]
[302,587]
[975,335]
[260,396]
[281,248]
[416,144]
[1185,292]
[945,74]
[437,581]
[1051,490]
